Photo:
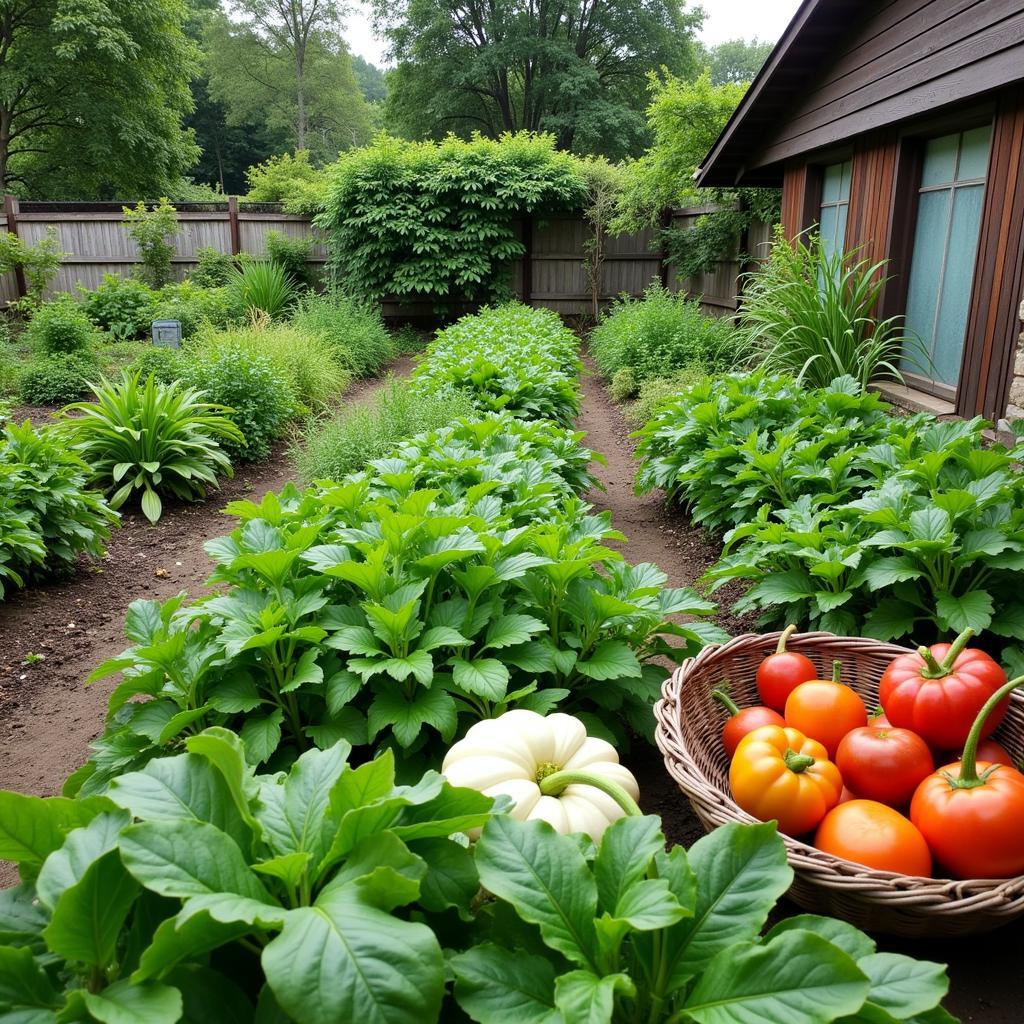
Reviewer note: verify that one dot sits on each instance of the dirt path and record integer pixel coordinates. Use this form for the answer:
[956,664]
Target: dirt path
[47,715]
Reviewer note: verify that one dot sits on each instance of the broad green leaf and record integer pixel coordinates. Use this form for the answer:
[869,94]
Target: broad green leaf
[973,609]
[451,879]
[175,941]
[452,809]
[499,986]
[627,848]
[235,694]
[407,718]
[884,572]
[484,677]
[32,827]
[82,847]
[512,629]
[124,1002]
[586,998]
[784,587]
[23,983]
[901,986]
[648,905]
[358,787]
[383,871]
[544,876]
[342,960]
[341,688]
[852,941]
[611,659]
[22,916]
[798,978]
[890,619]
[288,867]
[224,750]
[261,735]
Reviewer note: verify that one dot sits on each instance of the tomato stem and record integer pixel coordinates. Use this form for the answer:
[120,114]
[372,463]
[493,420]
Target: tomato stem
[969,777]
[554,784]
[934,669]
[795,762]
[784,639]
[837,667]
[726,701]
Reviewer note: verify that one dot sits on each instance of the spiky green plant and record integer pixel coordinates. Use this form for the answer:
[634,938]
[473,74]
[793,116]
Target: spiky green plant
[263,286]
[150,437]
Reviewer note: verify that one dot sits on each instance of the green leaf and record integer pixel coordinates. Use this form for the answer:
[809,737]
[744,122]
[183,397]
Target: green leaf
[648,905]
[431,707]
[151,505]
[124,1002]
[784,588]
[884,572]
[32,827]
[544,876]
[176,940]
[496,986]
[342,960]
[901,986]
[930,524]
[627,848]
[611,659]
[852,941]
[451,879]
[586,998]
[82,847]
[889,619]
[512,629]
[261,736]
[484,677]
[973,609]
[342,688]
[798,978]
[23,983]
[224,750]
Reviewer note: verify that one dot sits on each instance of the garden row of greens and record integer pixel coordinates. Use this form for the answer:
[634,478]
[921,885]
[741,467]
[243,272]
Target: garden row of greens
[265,870]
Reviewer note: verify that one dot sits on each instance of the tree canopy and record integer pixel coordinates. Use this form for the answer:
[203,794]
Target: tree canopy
[92,96]
[735,61]
[575,68]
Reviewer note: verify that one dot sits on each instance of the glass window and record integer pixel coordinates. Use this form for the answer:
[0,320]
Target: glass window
[949,208]
[835,203]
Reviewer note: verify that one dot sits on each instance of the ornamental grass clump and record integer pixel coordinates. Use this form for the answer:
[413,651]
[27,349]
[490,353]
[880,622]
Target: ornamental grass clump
[152,439]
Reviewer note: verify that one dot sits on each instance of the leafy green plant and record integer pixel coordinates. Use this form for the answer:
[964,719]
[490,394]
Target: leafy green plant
[438,219]
[294,883]
[164,365]
[812,314]
[263,287]
[289,179]
[659,334]
[291,255]
[38,262]
[354,329]
[150,437]
[261,402]
[123,306]
[213,268]
[629,932]
[344,443]
[48,516]
[60,327]
[196,307]
[653,393]
[57,380]
[305,361]
[510,358]
[150,228]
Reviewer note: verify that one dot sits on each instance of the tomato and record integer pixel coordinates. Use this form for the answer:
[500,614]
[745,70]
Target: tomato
[742,720]
[846,796]
[780,673]
[972,812]
[877,717]
[990,751]
[884,764]
[779,773]
[826,710]
[938,692]
[875,835]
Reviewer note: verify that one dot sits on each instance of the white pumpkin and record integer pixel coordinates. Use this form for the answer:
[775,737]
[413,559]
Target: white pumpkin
[514,753]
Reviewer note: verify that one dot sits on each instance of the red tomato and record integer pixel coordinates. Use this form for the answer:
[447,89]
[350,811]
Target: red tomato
[990,751]
[826,710]
[972,812]
[780,673]
[875,835]
[742,720]
[938,692]
[877,718]
[846,796]
[884,764]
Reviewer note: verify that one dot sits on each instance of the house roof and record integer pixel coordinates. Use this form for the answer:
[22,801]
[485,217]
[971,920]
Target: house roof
[811,37]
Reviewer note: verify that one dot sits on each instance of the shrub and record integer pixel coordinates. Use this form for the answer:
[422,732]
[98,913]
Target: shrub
[150,229]
[811,314]
[661,333]
[57,380]
[213,268]
[623,384]
[262,286]
[123,306]
[510,357]
[152,438]
[653,393]
[8,370]
[305,361]
[354,329]
[60,327]
[290,180]
[261,402]
[195,307]
[292,256]
[165,365]
[439,219]
[48,517]
[39,263]
[346,442]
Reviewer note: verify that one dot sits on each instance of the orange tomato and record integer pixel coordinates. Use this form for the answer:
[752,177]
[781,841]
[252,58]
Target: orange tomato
[876,836]
[779,773]
[825,710]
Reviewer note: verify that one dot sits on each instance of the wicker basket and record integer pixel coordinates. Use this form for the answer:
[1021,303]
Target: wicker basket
[689,736]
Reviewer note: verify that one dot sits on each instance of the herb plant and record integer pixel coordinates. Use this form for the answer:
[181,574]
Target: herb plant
[150,437]
[121,305]
[260,286]
[150,228]
[39,262]
[60,327]
[213,268]
[353,328]
[57,380]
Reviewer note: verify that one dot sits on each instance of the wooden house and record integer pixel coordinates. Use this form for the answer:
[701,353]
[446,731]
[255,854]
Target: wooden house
[897,128]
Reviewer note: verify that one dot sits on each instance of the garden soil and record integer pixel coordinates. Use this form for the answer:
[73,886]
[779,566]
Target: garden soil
[47,717]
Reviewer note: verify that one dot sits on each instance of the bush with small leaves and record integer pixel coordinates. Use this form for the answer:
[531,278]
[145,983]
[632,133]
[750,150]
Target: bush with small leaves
[354,329]
[57,380]
[60,327]
[165,365]
[121,305]
[150,229]
[292,256]
[213,268]
[195,307]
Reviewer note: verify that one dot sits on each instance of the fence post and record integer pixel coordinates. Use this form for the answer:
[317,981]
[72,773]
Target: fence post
[665,223]
[11,212]
[527,260]
[233,230]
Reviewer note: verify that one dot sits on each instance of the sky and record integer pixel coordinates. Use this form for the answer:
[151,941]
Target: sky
[726,19]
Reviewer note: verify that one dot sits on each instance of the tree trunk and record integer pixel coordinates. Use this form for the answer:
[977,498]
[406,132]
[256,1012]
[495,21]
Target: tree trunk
[300,94]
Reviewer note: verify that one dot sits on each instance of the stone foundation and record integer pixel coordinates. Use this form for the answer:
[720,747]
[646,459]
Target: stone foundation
[1015,410]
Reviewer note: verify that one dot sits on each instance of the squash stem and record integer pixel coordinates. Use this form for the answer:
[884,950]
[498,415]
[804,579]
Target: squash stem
[968,777]
[554,784]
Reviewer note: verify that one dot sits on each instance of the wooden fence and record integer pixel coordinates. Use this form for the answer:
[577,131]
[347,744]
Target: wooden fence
[550,275]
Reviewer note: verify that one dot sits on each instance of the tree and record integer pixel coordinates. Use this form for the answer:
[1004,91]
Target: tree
[284,61]
[575,68]
[92,96]
[736,61]
[371,79]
